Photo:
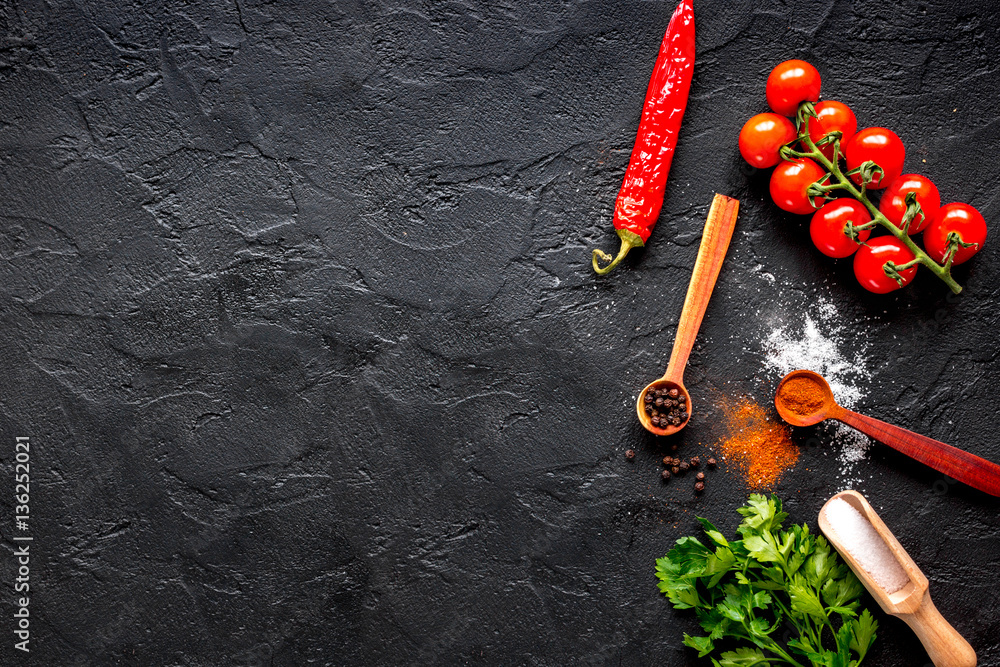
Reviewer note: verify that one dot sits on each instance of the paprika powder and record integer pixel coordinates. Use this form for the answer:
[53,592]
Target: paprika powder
[760,448]
[802,396]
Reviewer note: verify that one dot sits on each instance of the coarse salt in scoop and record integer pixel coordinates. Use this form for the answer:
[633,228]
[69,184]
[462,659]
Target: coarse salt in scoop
[882,565]
[858,536]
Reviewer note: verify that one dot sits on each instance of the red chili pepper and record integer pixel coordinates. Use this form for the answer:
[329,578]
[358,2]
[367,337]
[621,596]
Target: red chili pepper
[641,195]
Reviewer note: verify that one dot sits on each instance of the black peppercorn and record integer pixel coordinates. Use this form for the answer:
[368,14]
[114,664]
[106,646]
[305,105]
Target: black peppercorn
[699,486]
[673,448]
[675,470]
[667,461]
[674,393]
[665,475]
[700,477]
[655,420]
[711,462]
[695,461]
[649,397]
[684,466]
[684,416]
[630,454]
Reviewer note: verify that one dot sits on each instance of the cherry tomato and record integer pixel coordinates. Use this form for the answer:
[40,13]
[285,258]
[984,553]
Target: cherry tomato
[869,264]
[790,83]
[965,221]
[830,117]
[827,227]
[893,202]
[881,146]
[762,136]
[789,182]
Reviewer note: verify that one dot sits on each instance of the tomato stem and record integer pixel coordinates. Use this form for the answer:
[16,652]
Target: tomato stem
[843,182]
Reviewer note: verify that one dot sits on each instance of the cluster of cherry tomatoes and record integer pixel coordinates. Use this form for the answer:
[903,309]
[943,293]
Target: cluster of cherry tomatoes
[956,231]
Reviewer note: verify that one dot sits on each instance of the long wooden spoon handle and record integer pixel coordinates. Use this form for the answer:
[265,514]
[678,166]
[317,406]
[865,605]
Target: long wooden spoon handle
[967,468]
[945,647]
[714,243]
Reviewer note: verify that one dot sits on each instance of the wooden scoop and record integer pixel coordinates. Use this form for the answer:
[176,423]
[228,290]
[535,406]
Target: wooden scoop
[912,603]
[967,468]
[714,243]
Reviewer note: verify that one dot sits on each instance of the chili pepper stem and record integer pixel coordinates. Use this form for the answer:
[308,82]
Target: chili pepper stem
[629,240]
[845,183]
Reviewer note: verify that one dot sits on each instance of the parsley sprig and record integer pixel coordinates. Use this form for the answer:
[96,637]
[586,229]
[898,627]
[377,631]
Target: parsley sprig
[769,585]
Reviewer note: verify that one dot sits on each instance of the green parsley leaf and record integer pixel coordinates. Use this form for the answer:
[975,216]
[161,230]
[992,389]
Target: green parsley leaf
[713,532]
[863,634]
[761,515]
[718,564]
[844,637]
[805,600]
[703,645]
[742,657]
[770,578]
[762,547]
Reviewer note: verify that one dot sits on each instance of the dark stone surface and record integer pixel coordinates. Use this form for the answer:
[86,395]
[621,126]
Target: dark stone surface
[298,314]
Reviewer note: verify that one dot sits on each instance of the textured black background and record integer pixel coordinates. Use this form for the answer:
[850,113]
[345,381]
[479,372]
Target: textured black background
[298,313]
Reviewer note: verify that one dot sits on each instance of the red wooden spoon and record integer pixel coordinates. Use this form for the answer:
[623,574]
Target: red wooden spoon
[965,467]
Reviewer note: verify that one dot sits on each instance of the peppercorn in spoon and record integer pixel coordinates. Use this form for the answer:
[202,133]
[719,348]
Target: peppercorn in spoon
[664,406]
[804,398]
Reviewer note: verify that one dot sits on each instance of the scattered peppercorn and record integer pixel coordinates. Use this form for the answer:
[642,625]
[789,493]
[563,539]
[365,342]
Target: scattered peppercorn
[700,477]
[665,475]
[630,454]
[711,462]
[675,470]
[673,448]
[699,486]
[684,465]
[695,461]
[668,461]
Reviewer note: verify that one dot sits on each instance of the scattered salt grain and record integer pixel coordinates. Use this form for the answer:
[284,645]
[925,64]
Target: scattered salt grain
[856,534]
[824,344]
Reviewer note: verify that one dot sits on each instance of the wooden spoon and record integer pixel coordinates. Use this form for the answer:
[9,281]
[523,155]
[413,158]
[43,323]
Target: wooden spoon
[912,603]
[967,468]
[714,243]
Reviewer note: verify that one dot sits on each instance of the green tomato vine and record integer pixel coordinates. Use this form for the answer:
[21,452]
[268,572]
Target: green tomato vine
[837,179]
